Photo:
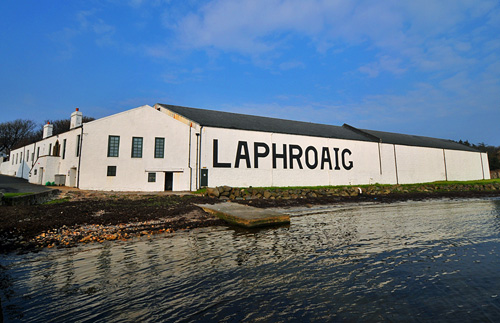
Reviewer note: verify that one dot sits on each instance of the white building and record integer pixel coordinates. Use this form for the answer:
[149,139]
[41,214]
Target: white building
[177,148]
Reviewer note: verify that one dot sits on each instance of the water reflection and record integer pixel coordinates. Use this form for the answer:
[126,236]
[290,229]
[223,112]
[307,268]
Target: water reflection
[406,262]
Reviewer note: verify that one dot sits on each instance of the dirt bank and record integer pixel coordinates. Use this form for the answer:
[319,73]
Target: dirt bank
[84,217]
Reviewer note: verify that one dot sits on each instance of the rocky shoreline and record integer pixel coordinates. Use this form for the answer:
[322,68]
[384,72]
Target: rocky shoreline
[81,217]
[239,194]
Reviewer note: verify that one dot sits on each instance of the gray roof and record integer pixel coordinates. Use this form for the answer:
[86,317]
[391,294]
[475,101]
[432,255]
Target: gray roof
[228,120]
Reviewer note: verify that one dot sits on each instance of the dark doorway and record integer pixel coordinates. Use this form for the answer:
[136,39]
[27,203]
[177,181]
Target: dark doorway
[169,181]
[204,178]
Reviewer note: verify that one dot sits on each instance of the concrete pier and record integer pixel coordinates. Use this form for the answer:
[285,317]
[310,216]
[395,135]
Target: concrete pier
[245,216]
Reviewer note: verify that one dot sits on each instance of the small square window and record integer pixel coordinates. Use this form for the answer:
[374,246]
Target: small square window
[111,170]
[151,177]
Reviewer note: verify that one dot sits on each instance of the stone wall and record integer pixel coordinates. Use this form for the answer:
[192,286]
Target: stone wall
[495,173]
[232,193]
[31,199]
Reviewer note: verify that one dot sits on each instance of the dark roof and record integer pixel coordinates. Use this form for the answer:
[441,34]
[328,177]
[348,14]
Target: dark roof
[228,120]
[411,140]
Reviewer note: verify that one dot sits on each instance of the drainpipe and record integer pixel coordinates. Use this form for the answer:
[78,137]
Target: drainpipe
[189,162]
[380,156]
[22,162]
[199,162]
[80,158]
[196,167]
[396,165]
[445,168]
[482,165]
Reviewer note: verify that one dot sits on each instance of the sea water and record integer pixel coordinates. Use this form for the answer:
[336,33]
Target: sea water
[414,261]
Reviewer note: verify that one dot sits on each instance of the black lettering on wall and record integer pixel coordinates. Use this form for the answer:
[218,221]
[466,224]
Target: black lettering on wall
[344,152]
[337,166]
[276,156]
[325,158]
[257,154]
[295,156]
[245,155]
[315,154]
[216,157]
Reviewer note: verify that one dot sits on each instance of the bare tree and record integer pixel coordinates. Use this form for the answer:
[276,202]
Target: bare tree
[14,134]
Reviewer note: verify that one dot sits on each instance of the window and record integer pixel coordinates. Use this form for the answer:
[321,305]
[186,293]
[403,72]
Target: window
[28,156]
[33,157]
[50,149]
[151,177]
[38,152]
[111,170]
[57,149]
[136,147]
[113,146]
[17,158]
[64,149]
[159,147]
[35,171]
[77,145]
[21,159]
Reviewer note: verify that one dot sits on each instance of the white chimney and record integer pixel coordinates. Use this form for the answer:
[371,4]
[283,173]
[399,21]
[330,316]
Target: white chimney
[48,130]
[76,119]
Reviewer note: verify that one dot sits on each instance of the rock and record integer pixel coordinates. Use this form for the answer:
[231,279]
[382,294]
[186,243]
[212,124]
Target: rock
[267,194]
[213,192]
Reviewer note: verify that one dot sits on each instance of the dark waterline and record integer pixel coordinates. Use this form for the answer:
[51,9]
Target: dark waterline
[414,261]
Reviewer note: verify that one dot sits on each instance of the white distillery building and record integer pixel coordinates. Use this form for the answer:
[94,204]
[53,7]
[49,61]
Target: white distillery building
[177,148]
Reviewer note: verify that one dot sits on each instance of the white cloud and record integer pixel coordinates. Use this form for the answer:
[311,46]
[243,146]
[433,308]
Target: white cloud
[415,32]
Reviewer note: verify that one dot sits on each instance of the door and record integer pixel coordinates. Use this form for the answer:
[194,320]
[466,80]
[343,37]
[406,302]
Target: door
[72,177]
[204,178]
[40,176]
[169,181]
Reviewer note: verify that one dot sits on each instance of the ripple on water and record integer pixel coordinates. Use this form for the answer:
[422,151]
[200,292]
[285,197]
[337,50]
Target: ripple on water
[411,261]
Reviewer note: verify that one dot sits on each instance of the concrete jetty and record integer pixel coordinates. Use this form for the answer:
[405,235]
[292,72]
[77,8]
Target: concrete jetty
[245,216]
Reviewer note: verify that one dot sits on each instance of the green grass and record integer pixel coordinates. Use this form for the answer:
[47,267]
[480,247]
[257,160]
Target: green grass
[58,201]
[10,195]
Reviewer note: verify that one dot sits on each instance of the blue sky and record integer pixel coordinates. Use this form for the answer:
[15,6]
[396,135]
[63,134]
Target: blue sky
[428,68]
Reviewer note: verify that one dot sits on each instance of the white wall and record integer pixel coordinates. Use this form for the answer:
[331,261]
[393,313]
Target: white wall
[363,155]
[464,165]
[372,162]
[132,173]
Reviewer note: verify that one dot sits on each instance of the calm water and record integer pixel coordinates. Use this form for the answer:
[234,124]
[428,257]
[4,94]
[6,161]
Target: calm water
[415,261]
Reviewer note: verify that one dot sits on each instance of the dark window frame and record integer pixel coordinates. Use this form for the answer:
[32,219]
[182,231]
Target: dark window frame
[64,149]
[111,171]
[78,140]
[137,146]
[113,146]
[151,177]
[159,147]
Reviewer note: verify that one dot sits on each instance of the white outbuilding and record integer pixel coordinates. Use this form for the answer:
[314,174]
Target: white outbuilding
[168,147]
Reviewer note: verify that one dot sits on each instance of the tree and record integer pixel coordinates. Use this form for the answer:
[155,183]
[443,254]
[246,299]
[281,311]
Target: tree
[14,134]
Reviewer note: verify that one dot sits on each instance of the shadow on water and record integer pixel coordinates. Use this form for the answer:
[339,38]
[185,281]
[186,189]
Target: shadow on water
[414,261]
